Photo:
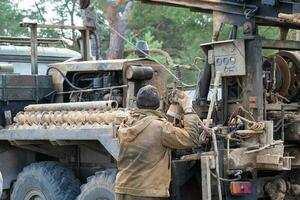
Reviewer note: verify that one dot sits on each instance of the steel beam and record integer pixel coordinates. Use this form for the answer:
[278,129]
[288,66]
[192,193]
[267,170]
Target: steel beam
[34,50]
[207,163]
[264,15]
[56,26]
[281,45]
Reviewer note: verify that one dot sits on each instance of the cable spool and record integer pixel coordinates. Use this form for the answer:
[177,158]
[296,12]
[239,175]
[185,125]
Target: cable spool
[293,61]
[279,76]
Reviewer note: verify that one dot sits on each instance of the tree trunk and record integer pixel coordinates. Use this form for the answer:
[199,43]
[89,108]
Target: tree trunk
[118,26]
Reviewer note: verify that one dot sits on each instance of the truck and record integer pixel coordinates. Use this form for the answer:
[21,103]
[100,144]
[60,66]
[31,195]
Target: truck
[59,122]
[59,139]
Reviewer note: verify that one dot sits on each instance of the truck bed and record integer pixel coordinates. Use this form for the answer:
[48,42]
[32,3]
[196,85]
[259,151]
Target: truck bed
[105,135]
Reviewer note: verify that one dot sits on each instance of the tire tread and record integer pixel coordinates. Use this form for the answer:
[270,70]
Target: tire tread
[64,184]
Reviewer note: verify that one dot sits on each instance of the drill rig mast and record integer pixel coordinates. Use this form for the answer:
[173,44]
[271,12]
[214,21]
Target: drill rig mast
[259,111]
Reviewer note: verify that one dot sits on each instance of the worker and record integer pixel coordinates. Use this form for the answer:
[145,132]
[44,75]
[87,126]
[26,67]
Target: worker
[146,140]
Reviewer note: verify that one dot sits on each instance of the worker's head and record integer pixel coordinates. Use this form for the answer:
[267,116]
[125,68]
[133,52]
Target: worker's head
[148,98]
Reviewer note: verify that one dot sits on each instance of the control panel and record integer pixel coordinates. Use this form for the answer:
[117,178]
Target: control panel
[228,57]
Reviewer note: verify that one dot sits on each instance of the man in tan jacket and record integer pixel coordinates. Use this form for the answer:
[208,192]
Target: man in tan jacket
[146,141]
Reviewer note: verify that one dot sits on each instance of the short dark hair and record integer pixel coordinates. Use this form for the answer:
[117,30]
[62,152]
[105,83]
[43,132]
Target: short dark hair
[148,98]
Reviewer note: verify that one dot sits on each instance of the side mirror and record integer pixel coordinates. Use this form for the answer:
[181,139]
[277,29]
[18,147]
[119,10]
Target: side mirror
[84,3]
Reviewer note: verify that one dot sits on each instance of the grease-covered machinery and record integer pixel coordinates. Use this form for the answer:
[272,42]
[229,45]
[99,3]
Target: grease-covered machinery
[254,149]
[69,115]
[257,120]
[88,94]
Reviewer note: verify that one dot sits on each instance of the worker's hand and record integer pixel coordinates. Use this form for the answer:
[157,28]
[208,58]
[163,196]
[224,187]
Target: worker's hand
[184,100]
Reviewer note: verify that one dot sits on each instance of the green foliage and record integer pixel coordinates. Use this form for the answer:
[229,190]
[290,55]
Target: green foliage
[59,12]
[176,27]
[179,31]
[148,37]
[175,30]
[10,18]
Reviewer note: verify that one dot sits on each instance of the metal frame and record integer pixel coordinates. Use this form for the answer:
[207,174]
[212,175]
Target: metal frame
[264,14]
[105,135]
[85,32]
[25,41]
[248,15]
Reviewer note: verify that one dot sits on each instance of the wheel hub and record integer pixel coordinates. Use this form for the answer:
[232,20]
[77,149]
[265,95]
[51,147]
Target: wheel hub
[35,195]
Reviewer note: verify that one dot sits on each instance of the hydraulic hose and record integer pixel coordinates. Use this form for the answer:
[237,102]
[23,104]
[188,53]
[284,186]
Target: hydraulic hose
[66,79]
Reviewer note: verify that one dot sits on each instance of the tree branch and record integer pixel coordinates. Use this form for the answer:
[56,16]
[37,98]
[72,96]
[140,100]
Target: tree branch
[39,11]
[128,10]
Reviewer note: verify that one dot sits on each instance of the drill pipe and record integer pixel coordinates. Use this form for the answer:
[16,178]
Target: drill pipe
[72,106]
[67,119]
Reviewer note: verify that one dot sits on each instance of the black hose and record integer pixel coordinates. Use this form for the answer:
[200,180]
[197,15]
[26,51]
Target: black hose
[65,78]
[203,84]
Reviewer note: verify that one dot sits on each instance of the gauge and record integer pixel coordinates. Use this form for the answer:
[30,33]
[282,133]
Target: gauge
[226,61]
[232,60]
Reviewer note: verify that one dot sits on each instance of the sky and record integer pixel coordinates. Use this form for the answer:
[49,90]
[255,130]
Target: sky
[29,4]
[24,4]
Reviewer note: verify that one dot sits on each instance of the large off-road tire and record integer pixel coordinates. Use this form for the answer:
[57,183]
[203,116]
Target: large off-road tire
[46,181]
[99,187]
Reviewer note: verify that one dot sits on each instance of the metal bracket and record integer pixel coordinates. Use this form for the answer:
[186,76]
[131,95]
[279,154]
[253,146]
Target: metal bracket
[207,163]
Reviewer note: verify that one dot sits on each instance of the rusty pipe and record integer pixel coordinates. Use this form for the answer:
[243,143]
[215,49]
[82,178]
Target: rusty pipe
[72,106]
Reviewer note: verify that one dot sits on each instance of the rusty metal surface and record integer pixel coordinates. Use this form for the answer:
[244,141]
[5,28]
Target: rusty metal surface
[292,18]
[85,32]
[293,60]
[25,41]
[103,134]
[285,73]
[67,119]
[265,15]
[159,78]
[72,106]
[34,50]
[139,73]
[280,44]
[24,87]
[86,66]
[55,26]
[103,65]
[278,76]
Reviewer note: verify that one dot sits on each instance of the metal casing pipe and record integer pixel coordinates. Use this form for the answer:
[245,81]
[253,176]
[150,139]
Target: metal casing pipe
[72,106]
[139,73]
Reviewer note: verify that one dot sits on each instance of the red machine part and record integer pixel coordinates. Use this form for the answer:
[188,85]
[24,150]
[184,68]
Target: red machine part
[240,188]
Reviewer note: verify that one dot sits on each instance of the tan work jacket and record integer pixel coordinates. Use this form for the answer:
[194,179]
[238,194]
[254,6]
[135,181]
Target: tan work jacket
[146,140]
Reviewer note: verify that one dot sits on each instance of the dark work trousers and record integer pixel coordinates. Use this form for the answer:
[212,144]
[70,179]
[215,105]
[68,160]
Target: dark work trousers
[130,197]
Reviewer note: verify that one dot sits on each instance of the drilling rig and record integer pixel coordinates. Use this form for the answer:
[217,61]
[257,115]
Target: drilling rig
[256,150]
[62,131]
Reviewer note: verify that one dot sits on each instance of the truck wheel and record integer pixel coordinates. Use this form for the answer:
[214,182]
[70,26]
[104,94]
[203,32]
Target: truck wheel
[45,181]
[99,187]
